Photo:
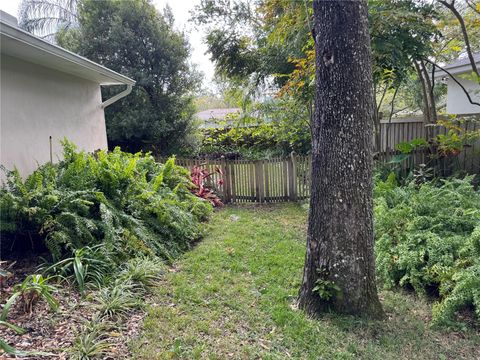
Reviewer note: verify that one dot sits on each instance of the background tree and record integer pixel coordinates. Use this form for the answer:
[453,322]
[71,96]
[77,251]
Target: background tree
[134,39]
[249,44]
[400,30]
[240,40]
[450,5]
[339,270]
[45,18]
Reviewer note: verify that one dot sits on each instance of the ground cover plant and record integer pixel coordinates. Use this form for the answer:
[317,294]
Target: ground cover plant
[127,202]
[234,296]
[428,239]
[106,223]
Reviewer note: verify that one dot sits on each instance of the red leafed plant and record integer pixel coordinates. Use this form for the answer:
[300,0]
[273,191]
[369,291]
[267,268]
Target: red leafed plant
[200,177]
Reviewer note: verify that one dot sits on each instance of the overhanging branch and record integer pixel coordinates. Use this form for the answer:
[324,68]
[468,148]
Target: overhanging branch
[454,79]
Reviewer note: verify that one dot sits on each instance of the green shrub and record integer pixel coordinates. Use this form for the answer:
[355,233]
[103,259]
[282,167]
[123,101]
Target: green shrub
[90,342]
[265,140]
[127,202]
[427,238]
[33,288]
[109,220]
[460,284]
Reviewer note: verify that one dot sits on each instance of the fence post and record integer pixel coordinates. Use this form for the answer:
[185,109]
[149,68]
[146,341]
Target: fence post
[292,177]
[227,193]
[259,188]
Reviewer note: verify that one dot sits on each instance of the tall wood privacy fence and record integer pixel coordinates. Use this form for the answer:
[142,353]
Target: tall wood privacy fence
[288,179]
[407,129]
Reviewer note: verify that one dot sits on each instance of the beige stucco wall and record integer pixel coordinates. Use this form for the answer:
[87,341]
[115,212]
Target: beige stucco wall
[457,101]
[37,102]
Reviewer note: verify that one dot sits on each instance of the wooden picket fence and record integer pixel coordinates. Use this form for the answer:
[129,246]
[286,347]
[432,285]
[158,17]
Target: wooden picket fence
[288,179]
[272,180]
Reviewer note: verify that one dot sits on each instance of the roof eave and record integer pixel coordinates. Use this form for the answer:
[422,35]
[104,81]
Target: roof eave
[31,40]
[457,70]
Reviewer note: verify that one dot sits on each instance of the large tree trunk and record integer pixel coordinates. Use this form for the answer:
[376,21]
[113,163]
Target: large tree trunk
[339,271]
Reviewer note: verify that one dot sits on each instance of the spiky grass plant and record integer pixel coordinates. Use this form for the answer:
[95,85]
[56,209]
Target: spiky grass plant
[90,342]
[143,271]
[116,300]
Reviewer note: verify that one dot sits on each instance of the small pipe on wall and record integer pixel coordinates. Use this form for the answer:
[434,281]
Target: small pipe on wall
[51,152]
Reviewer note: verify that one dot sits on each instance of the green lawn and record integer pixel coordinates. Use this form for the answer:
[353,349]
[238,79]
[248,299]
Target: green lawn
[233,296]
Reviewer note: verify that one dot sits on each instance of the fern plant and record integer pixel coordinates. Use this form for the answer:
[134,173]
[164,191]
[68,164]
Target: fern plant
[128,202]
[428,239]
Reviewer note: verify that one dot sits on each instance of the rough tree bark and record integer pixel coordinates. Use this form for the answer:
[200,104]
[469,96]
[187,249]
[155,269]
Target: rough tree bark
[340,259]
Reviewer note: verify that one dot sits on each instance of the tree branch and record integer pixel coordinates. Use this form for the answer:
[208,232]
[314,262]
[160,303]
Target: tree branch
[472,6]
[453,9]
[454,79]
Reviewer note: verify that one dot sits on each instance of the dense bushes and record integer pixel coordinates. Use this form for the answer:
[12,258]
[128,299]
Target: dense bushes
[262,141]
[109,221]
[127,202]
[428,239]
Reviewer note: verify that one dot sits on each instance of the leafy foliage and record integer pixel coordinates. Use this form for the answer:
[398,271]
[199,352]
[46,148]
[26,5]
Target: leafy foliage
[127,202]
[265,140]
[428,240]
[136,40]
[456,137]
[238,39]
[143,271]
[15,328]
[10,350]
[90,342]
[279,42]
[117,299]
[407,147]
[109,220]
[88,265]
[460,285]
[401,31]
[200,178]
[32,289]
[45,17]
[326,289]
[442,149]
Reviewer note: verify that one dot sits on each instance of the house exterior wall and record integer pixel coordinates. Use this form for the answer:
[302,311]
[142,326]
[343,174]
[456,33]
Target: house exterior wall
[36,103]
[457,101]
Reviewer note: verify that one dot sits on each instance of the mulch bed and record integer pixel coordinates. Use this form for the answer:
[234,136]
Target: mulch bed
[54,332]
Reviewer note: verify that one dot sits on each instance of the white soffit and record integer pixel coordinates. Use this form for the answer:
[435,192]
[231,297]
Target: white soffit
[20,44]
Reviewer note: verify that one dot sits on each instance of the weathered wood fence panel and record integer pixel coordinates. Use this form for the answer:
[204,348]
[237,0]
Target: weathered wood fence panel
[406,129]
[272,180]
[288,179]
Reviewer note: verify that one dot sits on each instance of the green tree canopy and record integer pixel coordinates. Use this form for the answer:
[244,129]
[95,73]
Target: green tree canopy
[133,38]
[401,30]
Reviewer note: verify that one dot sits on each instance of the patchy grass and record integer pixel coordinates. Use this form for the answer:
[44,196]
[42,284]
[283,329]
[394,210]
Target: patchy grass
[233,297]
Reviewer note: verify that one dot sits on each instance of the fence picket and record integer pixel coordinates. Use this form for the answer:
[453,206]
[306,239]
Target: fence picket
[282,179]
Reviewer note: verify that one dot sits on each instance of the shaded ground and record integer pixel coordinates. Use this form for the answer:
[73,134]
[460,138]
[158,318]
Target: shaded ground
[54,332]
[233,296]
